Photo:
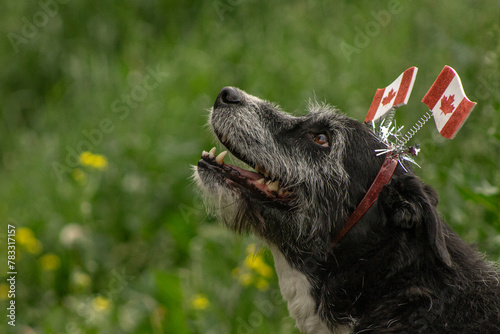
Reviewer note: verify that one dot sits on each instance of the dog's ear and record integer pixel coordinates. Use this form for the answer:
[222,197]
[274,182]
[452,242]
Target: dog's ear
[410,204]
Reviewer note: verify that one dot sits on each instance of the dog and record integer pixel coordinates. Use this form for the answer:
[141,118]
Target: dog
[400,269]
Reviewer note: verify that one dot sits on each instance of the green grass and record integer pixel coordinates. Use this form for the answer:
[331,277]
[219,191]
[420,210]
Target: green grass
[128,248]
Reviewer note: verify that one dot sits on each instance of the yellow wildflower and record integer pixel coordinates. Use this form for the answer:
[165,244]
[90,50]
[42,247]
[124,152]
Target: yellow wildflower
[24,235]
[264,270]
[245,279]
[26,238]
[50,262]
[200,302]
[262,284]
[101,303]
[257,263]
[252,261]
[96,161]
[78,175]
[254,270]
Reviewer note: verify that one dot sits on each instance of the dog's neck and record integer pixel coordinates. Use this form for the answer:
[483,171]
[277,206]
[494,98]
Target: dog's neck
[325,295]
[296,290]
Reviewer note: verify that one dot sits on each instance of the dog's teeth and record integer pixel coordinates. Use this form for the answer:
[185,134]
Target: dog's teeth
[224,138]
[204,153]
[220,157]
[261,181]
[211,154]
[274,186]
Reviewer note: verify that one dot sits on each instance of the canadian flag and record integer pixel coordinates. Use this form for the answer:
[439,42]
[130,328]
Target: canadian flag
[448,103]
[394,95]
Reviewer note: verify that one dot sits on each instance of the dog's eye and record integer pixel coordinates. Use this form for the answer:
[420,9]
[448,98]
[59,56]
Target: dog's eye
[322,140]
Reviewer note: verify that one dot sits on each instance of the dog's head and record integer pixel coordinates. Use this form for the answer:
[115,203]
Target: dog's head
[310,172]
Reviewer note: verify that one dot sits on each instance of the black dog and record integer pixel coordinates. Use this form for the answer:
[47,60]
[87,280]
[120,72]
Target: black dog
[400,269]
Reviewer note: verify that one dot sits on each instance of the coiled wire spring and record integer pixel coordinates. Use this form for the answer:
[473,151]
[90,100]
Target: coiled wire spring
[414,129]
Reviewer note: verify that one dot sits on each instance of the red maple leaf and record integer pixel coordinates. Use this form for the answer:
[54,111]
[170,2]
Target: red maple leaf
[447,104]
[389,97]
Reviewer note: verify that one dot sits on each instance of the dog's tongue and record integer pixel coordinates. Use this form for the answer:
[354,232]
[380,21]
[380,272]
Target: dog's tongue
[246,173]
[252,178]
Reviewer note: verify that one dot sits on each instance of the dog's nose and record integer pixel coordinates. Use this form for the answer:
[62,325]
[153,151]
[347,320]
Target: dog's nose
[228,95]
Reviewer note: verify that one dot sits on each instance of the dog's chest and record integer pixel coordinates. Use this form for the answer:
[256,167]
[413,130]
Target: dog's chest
[295,289]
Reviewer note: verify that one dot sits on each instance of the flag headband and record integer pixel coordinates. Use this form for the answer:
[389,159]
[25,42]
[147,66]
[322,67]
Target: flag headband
[447,104]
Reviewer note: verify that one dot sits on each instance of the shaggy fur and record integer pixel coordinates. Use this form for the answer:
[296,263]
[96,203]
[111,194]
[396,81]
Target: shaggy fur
[401,269]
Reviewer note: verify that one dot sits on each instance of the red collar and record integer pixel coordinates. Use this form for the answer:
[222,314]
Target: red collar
[383,177]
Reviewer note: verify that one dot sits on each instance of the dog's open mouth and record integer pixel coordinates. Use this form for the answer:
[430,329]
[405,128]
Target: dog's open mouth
[260,183]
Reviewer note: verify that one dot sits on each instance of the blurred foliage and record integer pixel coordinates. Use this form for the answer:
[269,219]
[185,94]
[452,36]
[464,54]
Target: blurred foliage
[104,110]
